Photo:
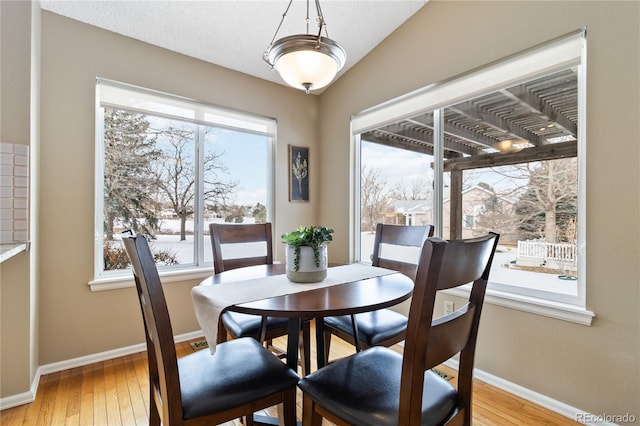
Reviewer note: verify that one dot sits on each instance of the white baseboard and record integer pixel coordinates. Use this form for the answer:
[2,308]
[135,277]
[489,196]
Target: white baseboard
[28,397]
[554,405]
[19,399]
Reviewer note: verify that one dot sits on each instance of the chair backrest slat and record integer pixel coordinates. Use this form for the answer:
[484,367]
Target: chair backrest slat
[222,234]
[468,252]
[449,336]
[245,261]
[404,235]
[408,269]
[398,235]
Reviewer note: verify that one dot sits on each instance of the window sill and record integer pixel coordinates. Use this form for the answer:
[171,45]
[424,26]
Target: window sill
[547,308]
[126,281]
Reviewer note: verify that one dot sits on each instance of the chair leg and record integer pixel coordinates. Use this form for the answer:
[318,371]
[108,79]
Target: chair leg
[327,345]
[288,416]
[154,415]
[304,347]
[222,333]
[356,334]
[309,415]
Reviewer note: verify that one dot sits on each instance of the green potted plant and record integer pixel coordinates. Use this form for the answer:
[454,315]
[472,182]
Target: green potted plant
[307,253]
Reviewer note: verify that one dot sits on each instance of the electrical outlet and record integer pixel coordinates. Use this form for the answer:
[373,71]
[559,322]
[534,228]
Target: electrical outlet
[449,307]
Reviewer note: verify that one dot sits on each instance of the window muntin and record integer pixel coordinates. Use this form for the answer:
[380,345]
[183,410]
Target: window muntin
[167,167]
[568,55]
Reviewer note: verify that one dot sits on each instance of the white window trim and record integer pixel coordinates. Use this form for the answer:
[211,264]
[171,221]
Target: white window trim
[566,51]
[120,94]
[534,305]
[125,280]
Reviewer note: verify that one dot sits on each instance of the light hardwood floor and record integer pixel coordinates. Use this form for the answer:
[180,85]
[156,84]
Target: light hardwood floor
[115,392]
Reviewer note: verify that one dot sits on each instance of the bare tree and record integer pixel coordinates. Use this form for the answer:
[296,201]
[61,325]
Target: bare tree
[546,196]
[376,197]
[414,189]
[175,174]
[552,190]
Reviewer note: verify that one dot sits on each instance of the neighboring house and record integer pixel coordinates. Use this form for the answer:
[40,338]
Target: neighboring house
[483,211]
[409,212]
[474,202]
[168,214]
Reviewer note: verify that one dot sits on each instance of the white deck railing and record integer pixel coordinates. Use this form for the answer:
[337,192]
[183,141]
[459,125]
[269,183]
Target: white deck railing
[548,251]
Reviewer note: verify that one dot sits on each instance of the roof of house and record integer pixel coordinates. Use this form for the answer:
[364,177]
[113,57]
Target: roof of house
[424,206]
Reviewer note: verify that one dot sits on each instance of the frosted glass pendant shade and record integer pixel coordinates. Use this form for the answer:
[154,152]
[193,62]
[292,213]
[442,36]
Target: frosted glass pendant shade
[305,61]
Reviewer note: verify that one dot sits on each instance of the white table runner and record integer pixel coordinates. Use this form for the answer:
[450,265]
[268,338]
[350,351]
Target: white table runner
[209,301]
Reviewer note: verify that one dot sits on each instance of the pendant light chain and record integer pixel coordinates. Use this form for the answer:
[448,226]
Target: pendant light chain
[307,19]
[284,15]
[321,22]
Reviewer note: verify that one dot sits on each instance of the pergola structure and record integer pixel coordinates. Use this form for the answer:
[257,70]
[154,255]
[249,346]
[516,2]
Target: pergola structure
[533,121]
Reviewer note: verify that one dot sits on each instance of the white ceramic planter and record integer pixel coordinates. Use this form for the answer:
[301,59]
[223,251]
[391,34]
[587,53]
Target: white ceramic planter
[307,271]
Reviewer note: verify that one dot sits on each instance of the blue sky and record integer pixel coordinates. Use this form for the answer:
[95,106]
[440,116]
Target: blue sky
[396,165]
[245,156]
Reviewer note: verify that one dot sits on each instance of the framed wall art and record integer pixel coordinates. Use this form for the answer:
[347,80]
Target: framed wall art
[298,173]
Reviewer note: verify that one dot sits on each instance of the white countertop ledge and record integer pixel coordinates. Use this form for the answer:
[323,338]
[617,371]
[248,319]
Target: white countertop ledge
[8,250]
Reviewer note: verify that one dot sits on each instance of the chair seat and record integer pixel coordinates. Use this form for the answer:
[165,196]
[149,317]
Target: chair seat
[373,327]
[246,325]
[240,371]
[364,389]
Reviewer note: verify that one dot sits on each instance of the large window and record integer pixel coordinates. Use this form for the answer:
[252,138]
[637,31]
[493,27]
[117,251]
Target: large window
[167,167]
[499,149]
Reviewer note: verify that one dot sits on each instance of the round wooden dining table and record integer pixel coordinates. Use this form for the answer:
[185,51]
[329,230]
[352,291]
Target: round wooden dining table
[341,299]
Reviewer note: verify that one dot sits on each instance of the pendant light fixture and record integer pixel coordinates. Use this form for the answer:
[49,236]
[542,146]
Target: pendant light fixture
[306,61]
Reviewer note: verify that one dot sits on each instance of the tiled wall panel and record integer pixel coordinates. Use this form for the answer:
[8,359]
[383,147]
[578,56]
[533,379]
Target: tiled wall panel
[14,192]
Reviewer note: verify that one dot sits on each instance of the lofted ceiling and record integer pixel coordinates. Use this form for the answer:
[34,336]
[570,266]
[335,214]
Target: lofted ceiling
[235,33]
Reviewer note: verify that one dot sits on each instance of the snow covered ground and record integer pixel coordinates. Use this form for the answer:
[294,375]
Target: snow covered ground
[499,272]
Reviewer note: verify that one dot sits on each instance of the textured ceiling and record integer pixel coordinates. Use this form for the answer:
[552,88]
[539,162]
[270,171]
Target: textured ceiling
[234,34]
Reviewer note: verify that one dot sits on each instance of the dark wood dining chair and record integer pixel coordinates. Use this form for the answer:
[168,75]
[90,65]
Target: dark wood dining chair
[200,388]
[227,236]
[382,387]
[231,237]
[384,327]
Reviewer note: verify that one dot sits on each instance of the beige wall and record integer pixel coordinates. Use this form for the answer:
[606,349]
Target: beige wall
[597,368]
[18,341]
[16,345]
